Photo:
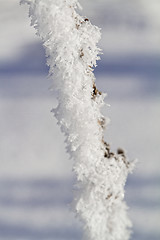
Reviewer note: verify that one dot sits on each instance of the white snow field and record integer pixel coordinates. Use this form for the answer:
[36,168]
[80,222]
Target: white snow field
[35,171]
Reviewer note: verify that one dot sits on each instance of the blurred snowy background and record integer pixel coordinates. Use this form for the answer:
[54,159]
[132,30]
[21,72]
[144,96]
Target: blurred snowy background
[35,172]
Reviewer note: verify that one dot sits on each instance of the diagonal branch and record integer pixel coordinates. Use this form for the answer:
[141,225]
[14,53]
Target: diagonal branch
[70,41]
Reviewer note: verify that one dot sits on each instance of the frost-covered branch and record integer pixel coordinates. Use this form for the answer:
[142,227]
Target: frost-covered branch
[70,41]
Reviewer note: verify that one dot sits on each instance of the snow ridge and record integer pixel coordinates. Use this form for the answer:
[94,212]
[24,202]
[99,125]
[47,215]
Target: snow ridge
[70,41]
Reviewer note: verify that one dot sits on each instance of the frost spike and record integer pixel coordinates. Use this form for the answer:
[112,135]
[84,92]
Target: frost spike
[70,42]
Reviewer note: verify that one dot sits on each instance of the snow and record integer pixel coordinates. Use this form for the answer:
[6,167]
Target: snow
[36,191]
[31,178]
[70,43]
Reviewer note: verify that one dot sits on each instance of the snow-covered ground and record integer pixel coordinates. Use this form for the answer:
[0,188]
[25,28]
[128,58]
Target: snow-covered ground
[35,172]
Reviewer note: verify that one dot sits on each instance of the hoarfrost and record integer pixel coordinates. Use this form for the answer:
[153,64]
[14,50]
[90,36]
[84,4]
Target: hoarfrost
[70,42]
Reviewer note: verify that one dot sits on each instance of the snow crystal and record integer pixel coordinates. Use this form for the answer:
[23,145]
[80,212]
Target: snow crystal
[70,41]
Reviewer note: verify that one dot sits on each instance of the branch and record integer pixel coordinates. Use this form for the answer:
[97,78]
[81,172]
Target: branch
[70,42]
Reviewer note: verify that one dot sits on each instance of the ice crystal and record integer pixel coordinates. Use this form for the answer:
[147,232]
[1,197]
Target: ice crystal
[70,42]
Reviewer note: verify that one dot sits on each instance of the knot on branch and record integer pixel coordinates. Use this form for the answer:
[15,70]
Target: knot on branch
[102,122]
[120,152]
[95,92]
